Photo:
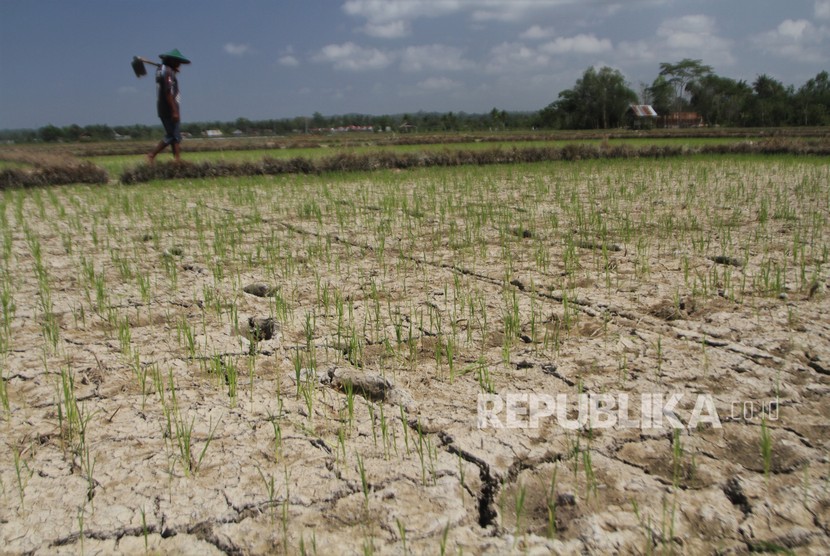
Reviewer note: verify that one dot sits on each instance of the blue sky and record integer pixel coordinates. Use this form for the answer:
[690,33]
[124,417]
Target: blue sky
[65,62]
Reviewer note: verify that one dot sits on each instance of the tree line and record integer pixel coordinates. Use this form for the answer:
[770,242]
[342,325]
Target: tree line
[598,100]
[601,97]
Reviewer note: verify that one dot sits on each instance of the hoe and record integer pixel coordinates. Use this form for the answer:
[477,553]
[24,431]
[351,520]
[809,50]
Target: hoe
[138,65]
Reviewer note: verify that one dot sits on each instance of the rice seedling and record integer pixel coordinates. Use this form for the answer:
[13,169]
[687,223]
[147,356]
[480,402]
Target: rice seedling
[550,502]
[270,491]
[766,447]
[520,506]
[144,530]
[184,441]
[364,483]
[22,473]
[4,391]
[402,535]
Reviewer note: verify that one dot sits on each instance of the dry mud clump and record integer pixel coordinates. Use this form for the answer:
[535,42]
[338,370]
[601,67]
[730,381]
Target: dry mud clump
[394,362]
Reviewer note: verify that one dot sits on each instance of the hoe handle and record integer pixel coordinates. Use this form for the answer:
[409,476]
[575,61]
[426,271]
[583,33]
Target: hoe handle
[146,61]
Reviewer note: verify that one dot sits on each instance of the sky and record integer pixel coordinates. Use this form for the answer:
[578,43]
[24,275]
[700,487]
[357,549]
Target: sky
[67,62]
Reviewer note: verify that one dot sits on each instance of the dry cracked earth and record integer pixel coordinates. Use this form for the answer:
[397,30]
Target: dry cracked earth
[371,363]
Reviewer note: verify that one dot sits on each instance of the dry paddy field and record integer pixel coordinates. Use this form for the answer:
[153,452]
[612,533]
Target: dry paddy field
[627,356]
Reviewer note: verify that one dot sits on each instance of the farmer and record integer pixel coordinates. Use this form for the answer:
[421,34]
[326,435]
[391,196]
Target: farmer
[168,103]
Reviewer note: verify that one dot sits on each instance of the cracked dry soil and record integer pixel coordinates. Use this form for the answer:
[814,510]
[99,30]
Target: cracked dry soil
[154,404]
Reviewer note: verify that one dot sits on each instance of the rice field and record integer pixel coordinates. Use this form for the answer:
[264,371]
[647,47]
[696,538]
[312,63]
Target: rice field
[300,363]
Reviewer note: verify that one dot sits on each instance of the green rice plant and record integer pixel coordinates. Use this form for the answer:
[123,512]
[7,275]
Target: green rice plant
[88,465]
[364,483]
[590,477]
[158,381]
[4,392]
[419,448]
[184,441]
[231,373]
[144,530]
[646,527]
[143,281]
[307,390]
[384,432]
[69,413]
[22,473]
[274,420]
[551,504]
[520,506]
[140,374]
[350,394]
[80,516]
[677,458]
[8,308]
[405,428]
[125,335]
[371,408]
[443,544]
[766,447]
[186,337]
[270,490]
[485,379]
[402,535]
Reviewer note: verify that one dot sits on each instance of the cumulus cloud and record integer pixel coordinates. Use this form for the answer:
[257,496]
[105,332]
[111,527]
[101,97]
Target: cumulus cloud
[351,57]
[537,32]
[511,57]
[287,58]
[822,9]
[384,11]
[237,49]
[438,84]
[434,57]
[388,30]
[390,18]
[579,44]
[796,39]
[693,36]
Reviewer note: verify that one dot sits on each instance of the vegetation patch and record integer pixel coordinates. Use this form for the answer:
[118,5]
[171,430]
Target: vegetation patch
[391,160]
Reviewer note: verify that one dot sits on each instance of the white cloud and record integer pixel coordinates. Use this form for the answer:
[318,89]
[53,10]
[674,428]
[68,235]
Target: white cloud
[822,9]
[537,32]
[381,13]
[287,58]
[798,40]
[580,44]
[385,11]
[693,36]
[515,57]
[351,57]
[388,30]
[237,49]
[434,57]
[439,84]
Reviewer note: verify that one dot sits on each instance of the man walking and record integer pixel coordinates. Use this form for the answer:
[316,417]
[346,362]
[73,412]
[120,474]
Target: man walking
[167,86]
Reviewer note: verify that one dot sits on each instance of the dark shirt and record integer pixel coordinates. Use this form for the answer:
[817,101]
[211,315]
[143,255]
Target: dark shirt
[168,92]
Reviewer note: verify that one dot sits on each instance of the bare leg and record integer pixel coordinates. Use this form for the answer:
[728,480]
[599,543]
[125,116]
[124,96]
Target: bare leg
[177,152]
[152,155]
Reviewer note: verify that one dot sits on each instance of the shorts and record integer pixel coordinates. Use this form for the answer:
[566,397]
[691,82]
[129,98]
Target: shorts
[172,131]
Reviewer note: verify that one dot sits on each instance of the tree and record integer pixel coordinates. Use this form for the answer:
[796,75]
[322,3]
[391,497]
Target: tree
[660,95]
[813,100]
[771,106]
[682,75]
[50,134]
[721,100]
[598,101]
